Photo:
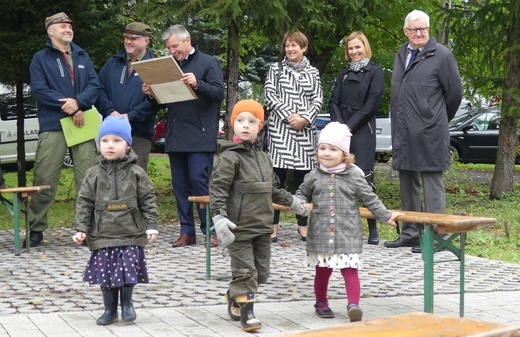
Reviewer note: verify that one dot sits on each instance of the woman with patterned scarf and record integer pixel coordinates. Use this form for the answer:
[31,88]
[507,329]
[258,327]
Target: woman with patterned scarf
[355,101]
[294,97]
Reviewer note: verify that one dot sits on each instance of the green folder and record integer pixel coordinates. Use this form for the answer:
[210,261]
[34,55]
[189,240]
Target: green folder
[75,135]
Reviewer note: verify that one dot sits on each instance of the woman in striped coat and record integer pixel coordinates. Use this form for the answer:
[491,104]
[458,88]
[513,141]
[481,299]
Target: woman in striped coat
[294,97]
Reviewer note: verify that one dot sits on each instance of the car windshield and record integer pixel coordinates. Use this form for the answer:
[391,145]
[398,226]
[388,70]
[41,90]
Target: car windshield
[484,119]
[462,119]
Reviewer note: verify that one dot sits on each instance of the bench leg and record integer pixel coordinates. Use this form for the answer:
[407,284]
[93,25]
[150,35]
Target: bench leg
[462,272]
[208,245]
[16,224]
[427,251]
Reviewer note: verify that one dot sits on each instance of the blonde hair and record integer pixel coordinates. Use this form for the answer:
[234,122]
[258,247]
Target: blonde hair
[349,159]
[361,37]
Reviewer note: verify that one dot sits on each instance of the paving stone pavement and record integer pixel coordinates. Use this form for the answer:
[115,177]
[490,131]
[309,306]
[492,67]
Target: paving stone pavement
[42,293]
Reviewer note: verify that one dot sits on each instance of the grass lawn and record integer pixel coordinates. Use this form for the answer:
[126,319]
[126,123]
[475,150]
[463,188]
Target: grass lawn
[464,195]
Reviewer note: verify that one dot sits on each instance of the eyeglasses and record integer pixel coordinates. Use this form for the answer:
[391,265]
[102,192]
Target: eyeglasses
[415,30]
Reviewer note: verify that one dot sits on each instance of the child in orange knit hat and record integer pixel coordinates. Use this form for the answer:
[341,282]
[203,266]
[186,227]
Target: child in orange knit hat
[242,191]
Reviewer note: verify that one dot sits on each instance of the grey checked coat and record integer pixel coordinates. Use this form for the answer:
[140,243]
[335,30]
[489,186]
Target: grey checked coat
[338,230]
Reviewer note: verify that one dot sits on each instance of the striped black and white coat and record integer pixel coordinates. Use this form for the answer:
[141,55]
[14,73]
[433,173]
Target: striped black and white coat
[287,93]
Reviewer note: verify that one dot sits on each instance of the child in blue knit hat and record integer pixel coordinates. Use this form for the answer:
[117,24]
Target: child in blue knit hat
[116,214]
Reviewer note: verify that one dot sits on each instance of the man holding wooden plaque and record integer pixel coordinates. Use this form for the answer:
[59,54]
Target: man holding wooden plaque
[191,127]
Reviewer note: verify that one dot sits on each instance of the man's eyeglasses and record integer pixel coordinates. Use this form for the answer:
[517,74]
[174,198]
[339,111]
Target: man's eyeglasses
[420,29]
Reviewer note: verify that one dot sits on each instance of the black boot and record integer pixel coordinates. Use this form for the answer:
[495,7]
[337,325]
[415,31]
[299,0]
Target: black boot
[127,308]
[248,321]
[35,238]
[110,301]
[373,235]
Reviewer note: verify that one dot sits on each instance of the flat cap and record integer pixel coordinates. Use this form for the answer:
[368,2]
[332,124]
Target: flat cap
[136,29]
[57,18]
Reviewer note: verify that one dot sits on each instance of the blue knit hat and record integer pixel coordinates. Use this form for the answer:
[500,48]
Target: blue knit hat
[116,125]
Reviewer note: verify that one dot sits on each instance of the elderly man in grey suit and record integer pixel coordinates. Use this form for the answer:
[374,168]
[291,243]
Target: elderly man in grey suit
[426,92]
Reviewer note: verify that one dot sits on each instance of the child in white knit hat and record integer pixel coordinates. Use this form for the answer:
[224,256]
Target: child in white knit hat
[335,237]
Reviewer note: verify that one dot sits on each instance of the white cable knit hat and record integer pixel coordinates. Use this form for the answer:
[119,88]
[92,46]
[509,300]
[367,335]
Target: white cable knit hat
[336,134]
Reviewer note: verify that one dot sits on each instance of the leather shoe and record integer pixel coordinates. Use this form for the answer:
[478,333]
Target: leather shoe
[374,241]
[400,243]
[417,249]
[213,242]
[184,240]
[35,238]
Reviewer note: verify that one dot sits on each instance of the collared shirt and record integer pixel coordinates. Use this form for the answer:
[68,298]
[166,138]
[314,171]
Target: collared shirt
[409,55]
[67,53]
[187,56]
[129,61]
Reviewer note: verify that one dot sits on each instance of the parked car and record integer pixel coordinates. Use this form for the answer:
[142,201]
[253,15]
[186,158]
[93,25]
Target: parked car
[383,135]
[159,134]
[9,131]
[464,108]
[474,136]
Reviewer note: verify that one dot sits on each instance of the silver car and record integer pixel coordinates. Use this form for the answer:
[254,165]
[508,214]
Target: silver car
[9,131]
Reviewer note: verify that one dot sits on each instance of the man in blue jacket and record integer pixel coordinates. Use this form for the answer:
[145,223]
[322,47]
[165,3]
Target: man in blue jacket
[191,129]
[121,92]
[64,84]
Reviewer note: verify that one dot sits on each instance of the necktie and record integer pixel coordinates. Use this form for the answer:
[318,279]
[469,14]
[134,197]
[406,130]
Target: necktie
[68,58]
[130,68]
[413,55]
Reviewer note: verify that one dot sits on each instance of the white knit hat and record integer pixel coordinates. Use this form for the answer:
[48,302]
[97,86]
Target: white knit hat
[336,134]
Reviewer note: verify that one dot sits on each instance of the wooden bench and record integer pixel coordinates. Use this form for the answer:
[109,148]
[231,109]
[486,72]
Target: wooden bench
[453,226]
[20,194]
[416,325]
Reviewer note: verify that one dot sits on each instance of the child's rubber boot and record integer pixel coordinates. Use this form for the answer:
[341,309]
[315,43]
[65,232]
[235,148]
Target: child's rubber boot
[110,297]
[127,307]
[248,321]
[233,309]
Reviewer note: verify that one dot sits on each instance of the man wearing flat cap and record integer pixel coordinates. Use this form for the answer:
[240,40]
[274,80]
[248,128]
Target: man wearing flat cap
[121,92]
[64,84]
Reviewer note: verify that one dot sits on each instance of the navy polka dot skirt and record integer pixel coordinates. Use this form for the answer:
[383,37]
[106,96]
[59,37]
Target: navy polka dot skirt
[114,267]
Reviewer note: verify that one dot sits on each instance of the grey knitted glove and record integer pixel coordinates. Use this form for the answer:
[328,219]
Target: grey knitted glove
[223,228]
[297,208]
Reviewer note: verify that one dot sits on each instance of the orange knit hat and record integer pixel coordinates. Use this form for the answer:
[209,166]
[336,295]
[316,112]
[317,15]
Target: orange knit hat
[248,105]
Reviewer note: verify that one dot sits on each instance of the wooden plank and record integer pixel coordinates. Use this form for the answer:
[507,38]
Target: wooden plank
[413,325]
[26,191]
[448,223]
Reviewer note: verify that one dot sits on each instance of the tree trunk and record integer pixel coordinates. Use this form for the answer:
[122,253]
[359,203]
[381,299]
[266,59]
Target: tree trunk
[508,136]
[20,138]
[444,33]
[233,72]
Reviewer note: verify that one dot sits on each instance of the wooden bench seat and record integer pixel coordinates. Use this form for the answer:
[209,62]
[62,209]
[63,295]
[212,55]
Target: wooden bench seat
[449,228]
[14,208]
[416,325]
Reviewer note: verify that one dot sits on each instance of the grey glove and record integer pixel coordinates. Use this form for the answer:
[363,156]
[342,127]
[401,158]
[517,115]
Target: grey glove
[297,208]
[223,228]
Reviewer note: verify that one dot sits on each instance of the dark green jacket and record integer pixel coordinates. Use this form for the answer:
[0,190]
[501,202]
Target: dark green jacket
[242,188]
[116,204]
